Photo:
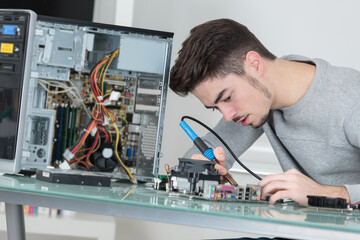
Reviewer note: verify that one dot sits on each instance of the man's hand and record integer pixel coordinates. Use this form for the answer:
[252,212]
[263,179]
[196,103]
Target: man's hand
[296,186]
[219,155]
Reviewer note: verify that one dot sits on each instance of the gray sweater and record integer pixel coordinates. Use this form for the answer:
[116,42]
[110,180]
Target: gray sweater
[319,135]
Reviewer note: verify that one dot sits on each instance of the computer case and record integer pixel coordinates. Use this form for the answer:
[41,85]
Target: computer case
[46,103]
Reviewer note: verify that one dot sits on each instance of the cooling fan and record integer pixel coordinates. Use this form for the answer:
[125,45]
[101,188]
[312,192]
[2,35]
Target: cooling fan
[104,158]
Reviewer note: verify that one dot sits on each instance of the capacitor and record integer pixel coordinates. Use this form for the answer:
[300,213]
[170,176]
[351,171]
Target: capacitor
[130,152]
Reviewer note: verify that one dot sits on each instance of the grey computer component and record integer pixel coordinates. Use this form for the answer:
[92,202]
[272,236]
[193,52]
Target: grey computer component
[16,39]
[62,56]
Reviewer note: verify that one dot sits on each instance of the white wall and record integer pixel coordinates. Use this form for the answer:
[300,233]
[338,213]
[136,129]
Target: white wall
[323,28]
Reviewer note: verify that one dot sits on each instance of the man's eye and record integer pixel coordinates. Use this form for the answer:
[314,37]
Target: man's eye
[227,99]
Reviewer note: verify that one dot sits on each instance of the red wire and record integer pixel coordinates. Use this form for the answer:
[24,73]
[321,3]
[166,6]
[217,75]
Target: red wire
[353,204]
[79,161]
[99,112]
[85,135]
[93,146]
[95,86]
[105,132]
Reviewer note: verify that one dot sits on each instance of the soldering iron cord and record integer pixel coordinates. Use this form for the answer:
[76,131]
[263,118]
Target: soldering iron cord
[224,143]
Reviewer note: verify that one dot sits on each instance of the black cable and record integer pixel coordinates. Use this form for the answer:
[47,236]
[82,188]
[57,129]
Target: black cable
[224,143]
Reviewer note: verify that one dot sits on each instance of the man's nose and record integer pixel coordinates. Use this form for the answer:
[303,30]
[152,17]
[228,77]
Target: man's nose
[228,112]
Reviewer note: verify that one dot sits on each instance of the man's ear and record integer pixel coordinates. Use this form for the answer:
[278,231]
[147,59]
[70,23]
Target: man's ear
[254,62]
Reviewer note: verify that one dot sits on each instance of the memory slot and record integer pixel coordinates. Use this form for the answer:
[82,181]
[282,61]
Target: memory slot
[64,131]
[60,132]
[56,135]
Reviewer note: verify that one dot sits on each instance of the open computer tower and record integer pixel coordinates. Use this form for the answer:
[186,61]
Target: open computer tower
[59,76]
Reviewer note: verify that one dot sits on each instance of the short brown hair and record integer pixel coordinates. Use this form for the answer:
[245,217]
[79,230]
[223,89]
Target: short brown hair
[214,49]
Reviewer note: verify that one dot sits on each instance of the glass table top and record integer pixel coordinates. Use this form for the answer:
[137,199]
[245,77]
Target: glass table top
[145,196]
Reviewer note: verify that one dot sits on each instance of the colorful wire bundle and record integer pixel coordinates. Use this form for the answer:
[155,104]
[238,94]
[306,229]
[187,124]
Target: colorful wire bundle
[100,117]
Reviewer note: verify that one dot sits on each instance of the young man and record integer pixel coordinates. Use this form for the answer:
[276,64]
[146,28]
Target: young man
[308,109]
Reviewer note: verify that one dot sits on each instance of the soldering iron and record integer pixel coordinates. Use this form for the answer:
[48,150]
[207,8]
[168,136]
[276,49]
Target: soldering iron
[204,149]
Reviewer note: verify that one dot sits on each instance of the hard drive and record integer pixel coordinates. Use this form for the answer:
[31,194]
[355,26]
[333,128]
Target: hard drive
[75,177]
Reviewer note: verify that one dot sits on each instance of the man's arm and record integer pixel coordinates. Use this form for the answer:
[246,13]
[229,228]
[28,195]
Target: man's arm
[296,186]
[352,132]
[238,137]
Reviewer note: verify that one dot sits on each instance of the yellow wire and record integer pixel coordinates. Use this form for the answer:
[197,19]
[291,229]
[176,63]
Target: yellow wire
[113,119]
[95,149]
[97,111]
[91,127]
[127,194]
[110,116]
[83,156]
[110,136]
[98,145]
[117,154]
[102,69]
[107,66]
[167,175]
[167,169]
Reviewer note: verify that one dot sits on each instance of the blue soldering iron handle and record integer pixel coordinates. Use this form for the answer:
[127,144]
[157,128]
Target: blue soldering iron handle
[199,143]
[205,150]
[188,130]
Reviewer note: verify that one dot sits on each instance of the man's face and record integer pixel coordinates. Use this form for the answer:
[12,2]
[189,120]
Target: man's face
[241,99]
